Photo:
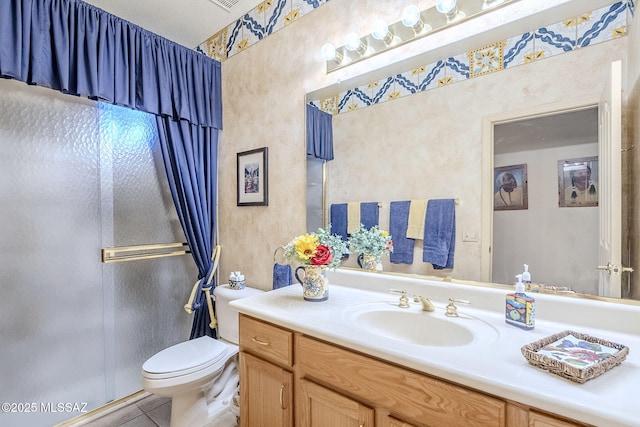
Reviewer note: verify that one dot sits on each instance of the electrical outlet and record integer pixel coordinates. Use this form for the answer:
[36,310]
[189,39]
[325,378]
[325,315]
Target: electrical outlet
[470,235]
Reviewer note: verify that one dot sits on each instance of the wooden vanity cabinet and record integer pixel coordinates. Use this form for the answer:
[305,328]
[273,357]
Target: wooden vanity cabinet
[266,378]
[407,395]
[331,386]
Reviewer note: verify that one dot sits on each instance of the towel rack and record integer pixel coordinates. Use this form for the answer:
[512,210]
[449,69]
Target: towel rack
[140,252]
[275,253]
[457,202]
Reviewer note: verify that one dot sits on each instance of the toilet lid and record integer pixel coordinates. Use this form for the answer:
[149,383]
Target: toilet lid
[186,356]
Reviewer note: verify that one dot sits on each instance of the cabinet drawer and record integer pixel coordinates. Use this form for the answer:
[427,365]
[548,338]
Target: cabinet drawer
[537,419]
[266,340]
[408,395]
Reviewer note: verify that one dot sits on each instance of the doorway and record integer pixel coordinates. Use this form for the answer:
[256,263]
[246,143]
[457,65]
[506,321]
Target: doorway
[551,231]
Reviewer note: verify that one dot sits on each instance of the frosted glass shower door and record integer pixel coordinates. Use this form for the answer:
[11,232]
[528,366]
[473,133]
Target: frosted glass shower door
[75,177]
[143,299]
[51,310]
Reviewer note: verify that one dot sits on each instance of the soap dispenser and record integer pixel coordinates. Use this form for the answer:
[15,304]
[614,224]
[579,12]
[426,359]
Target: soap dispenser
[526,276]
[520,308]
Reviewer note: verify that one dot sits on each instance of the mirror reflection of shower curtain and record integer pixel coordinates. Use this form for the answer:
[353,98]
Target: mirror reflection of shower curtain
[319,133]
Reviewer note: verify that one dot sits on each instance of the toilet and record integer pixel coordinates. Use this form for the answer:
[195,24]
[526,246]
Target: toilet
[200,375]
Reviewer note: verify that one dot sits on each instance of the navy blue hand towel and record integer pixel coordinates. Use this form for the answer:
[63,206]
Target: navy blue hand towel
[398,222]
[338,217]
[440,233]
[281,275]
[369,214]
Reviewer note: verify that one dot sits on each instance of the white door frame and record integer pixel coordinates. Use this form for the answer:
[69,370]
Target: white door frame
[610,165]
[488,123]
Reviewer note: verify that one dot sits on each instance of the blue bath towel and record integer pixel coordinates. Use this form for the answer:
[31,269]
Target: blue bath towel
[398,221]
[440,233]
[338,218]
[281,275]
[369,214]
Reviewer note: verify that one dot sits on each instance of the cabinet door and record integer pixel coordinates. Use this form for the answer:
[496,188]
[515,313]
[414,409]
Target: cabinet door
[321,407]
[265,394]
[537,419]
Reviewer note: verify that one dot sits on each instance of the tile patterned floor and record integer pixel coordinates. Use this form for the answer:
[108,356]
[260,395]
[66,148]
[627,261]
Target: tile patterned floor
[151,411]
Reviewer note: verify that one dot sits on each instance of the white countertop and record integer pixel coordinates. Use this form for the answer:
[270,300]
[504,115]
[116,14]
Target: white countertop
[497,368]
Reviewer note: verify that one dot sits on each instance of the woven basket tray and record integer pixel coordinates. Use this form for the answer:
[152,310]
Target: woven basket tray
[575,356]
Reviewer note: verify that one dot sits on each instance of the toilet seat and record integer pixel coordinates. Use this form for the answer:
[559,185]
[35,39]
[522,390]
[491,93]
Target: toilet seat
[186,358]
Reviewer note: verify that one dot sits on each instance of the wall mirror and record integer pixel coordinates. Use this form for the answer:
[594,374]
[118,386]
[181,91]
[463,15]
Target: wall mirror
[560,244]
[432,145]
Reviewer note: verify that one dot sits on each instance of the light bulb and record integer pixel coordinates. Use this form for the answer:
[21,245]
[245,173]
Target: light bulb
[329,53]
[381,31]
[445,6]
[410,16]
[352,41]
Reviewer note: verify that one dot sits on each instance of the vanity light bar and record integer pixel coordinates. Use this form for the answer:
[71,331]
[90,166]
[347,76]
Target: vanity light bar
[414,24]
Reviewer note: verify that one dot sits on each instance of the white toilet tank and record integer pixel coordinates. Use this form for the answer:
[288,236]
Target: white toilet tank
[228,317]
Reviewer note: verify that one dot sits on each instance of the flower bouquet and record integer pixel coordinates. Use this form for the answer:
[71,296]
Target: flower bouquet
[370,244]
[316,252]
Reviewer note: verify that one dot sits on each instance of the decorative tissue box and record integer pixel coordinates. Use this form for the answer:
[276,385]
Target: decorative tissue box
[575,356]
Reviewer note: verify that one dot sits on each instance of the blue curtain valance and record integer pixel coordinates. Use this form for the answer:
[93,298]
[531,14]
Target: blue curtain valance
[319,133]
[77,48]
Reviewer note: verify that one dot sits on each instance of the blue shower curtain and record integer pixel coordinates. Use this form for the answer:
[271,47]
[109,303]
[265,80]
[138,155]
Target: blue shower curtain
[189,154]
[79,49]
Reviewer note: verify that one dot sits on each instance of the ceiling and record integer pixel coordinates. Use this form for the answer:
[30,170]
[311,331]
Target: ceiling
[186,22]
[550,131]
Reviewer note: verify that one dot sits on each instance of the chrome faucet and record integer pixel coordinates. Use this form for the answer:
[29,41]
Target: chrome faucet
[426,303]
[451,310]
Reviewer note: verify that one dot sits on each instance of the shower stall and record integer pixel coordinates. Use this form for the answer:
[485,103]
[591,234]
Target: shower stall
[78,176]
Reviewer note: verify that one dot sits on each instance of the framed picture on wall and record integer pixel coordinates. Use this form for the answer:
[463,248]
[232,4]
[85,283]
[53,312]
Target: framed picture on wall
[510,188]
[253,177]
[578,182]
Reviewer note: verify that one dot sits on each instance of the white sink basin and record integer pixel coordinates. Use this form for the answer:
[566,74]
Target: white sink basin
[414,326]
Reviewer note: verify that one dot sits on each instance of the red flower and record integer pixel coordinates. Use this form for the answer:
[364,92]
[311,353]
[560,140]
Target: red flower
[322,256]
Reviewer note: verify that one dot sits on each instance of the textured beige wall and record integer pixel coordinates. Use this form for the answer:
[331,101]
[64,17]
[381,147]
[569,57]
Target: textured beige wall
[263,98]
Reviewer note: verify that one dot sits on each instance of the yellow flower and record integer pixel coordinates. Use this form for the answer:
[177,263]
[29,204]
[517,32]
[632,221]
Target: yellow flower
[305,246]
[384,233]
